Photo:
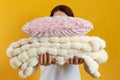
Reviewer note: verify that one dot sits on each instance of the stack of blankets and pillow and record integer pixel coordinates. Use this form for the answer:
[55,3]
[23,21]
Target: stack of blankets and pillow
[62,37]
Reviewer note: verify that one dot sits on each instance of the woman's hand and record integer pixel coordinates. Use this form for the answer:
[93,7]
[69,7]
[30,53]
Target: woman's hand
[75,60]
[46,59]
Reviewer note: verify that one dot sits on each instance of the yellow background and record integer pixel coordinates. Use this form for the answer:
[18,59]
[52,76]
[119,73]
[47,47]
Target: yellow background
[104,14]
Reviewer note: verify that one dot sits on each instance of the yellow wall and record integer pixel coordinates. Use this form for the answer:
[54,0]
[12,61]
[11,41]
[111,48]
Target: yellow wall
[103,13]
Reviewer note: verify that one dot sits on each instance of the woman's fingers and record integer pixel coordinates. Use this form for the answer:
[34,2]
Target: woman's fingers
[49,59]
[54,62]
[45,59]
[80,60]
[75,60]
[67,62]
[41,59]
[71,60]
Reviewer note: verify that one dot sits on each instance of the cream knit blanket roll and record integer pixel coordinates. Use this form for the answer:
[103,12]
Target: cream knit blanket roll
[24,54]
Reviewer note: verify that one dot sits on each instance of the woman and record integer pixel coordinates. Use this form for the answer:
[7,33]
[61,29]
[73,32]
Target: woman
[53,71]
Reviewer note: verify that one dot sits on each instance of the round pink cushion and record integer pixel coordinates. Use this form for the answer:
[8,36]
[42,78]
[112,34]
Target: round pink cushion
[57,26]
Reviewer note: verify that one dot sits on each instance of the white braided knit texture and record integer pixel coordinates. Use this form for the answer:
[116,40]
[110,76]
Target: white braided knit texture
[24,54]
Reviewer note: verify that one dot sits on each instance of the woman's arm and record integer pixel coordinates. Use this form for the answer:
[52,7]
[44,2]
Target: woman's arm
[46,59]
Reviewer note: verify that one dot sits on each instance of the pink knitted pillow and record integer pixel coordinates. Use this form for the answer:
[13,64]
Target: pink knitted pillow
[57,26]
